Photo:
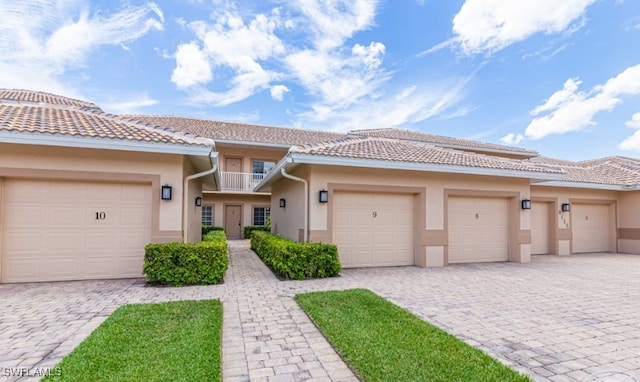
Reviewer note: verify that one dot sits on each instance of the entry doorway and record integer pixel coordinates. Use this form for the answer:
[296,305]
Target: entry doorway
[233,221]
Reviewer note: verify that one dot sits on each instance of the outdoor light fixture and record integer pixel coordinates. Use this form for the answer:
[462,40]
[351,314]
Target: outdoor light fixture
[566,207]
[526,204]
[165,193]
[198,201]
[323,196]
[283,203]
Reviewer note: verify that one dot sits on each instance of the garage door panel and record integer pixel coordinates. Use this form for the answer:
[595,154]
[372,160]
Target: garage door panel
[57,235]
[591,228]
[478,229]
[378,230]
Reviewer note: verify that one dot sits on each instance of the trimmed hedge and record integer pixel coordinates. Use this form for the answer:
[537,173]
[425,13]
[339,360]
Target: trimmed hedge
[207,228]
[296,261]
[179,264]
[248,230]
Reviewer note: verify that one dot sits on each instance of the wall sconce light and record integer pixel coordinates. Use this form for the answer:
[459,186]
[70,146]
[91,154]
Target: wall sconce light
[165,192]
[566,207]
[323,196]
[198,201]
[526,204]
[283,203]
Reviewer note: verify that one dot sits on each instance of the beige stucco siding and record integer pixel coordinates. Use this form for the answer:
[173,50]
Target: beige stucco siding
[248,155]
[562,236]
[431,192]
[247,201]
[289,221]
[629,222]
[194,214]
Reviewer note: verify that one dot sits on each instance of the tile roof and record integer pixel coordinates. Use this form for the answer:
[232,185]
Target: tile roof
[614,171]
[241,132]
[62,119]
[410,135]
[394,150]
[28,96]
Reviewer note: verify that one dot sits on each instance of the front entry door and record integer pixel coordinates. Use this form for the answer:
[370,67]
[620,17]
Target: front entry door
[233,221]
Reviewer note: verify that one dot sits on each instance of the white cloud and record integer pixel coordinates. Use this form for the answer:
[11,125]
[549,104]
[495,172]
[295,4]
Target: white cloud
[632,142]
[512,139]
[41,39]
[407,106]
[570,110]
[277,92]
[192,66]
[487,26]
[133,105]
[231,44]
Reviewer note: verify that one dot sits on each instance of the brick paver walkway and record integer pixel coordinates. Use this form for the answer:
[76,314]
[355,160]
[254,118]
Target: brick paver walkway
[557,319]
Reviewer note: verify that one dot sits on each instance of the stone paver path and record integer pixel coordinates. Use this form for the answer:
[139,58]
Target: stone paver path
[557,319]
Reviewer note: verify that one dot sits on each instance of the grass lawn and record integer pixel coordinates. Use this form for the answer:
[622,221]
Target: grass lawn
[382,342]
[173,341]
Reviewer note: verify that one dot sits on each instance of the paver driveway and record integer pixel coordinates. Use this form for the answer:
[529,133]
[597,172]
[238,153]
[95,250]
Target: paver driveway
[558,318]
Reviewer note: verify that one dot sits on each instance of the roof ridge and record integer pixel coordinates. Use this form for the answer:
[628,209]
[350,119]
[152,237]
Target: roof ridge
[163,130]
[43,93]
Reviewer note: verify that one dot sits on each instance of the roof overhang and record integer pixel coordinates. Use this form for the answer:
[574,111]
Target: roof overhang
[592,186]
[294,159]
[103,144]
[224,142]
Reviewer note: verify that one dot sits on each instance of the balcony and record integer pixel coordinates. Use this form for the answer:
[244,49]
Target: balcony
[240,181]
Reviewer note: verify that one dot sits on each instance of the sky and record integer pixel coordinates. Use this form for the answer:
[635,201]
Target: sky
[559,77]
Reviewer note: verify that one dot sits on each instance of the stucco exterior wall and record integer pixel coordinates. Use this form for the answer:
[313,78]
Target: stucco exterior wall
[248,155]
[562,235]
[194,214]
[431,191]
[289,221]
[48,162]
[629,222]
[247,201]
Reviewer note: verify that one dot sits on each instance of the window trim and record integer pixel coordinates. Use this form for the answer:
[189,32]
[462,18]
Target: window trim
[213,216]
[253,213]
[253,160]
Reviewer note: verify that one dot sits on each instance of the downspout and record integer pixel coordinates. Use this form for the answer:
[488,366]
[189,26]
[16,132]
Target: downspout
[185,193]
[306,201]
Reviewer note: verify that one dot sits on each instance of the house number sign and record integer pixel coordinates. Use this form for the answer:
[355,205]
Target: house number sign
[101,215]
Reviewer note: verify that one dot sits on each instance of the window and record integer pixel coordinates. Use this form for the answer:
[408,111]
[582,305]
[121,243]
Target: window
[262,167]
[207,215]
[260,215]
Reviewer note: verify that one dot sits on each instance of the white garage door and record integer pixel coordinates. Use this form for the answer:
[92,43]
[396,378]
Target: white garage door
[539,228]
[591,227]
[55,230]
[478,229]
[373,230]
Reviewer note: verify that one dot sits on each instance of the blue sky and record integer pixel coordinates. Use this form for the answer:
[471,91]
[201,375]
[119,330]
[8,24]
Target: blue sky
[560,77]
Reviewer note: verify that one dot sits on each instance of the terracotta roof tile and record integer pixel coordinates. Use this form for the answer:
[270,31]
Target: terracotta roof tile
[409,135]
[383,149]
[60,120]
[615,171]
[229,131]
[29,96]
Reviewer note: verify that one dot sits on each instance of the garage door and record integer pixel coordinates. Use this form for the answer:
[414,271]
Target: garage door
[54,230]
[539,228]
[373,230]
[591,227]
[478,229]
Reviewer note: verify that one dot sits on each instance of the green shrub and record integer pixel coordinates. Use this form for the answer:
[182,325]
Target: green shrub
[207,228]
[296,261]
[181,264]
[249,230]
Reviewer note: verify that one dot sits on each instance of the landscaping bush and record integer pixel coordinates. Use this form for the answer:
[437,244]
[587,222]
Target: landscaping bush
[181,264]
[296,261]
[207,228]
[248,230]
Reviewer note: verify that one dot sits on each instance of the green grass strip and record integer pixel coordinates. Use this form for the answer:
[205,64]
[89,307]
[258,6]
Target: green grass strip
[173,341]
[383,342]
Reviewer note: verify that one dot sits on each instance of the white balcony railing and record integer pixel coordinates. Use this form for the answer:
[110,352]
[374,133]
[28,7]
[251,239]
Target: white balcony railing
[240,181]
